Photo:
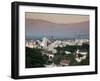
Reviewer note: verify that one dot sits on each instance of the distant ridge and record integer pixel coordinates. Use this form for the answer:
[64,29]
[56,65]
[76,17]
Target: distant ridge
[36,28]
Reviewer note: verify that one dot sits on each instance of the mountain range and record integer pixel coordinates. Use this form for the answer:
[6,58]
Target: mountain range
[36,28]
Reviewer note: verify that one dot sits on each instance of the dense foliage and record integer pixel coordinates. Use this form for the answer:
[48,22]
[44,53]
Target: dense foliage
[35,58]
[60,54]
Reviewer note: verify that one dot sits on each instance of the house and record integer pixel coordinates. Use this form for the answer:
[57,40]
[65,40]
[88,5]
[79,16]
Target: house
[80,55]
[64,62]
[67,52]
[78,59]
[81,52]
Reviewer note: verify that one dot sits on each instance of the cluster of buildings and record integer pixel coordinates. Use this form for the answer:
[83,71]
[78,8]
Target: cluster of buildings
[49,47]
[46,43]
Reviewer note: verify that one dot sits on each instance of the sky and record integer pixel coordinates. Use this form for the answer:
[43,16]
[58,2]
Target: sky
[60,26]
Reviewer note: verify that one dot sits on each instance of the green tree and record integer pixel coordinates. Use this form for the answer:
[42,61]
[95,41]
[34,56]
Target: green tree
[34,58]
[45,58]
[71,57]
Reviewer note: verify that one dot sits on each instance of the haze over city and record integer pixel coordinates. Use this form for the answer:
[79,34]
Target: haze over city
[56,40]
[58,26]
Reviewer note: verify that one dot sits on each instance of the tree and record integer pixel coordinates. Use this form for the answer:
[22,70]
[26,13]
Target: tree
[57,59]
[59,56]
[70,48]
[85,61]
[34,58]
[45,58]
[71,57]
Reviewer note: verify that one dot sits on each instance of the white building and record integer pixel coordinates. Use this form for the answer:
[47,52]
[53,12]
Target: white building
[67,52]
[79,59]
